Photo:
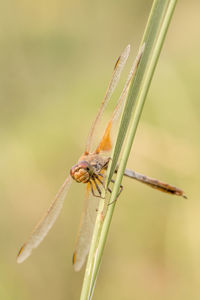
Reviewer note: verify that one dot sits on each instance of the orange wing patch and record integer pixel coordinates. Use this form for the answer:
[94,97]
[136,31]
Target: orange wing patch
[74,258]
[117,62]
[21,249]
[105,144]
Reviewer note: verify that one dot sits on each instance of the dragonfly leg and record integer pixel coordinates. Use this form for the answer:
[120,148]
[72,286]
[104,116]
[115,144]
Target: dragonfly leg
[110,191]
[102,183]
[97,187]
[121,189]
[101,175]
[104,167]
[92,190]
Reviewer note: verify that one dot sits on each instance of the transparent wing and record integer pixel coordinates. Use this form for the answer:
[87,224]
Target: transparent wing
[85,231]
[110,89]
[45,224]
[89,214]
[105,143]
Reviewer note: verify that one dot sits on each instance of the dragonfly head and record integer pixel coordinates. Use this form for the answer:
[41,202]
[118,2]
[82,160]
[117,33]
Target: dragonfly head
[82,172]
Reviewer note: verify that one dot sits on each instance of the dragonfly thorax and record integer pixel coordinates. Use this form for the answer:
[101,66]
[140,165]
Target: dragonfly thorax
[82,172]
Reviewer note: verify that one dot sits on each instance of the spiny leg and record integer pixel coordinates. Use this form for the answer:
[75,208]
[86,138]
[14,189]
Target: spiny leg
[97,187]
[121,189]
[104,167]
[102,183]
[101,175]
[110,191]
[92,189]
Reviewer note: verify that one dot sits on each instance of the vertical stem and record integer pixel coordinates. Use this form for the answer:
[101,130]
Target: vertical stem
[155,32]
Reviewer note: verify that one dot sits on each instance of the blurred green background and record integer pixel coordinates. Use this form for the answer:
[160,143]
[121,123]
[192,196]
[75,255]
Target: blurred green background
[56,58]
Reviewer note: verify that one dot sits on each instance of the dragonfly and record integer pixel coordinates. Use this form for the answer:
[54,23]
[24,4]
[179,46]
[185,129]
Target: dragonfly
[91,170]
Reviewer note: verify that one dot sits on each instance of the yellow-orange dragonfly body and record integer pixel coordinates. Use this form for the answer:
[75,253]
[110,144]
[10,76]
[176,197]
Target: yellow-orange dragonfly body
[91,169]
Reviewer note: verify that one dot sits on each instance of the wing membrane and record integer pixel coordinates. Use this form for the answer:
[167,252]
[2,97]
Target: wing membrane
[110,89]
[105,143]
[90,211]
[45,224]
[85,231]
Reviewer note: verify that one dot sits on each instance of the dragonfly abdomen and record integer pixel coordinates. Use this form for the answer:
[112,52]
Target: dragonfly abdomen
[154,183]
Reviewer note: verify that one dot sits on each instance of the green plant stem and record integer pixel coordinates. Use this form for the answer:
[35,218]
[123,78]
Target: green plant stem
[156,29]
